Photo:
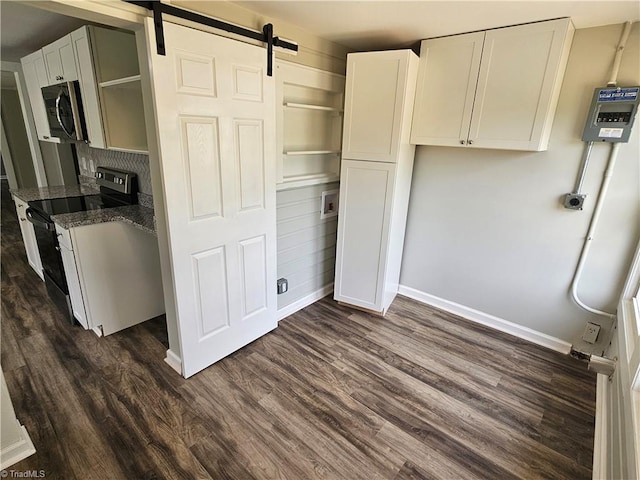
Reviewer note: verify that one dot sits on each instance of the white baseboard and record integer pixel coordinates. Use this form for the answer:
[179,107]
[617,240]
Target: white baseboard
[488,320]
[17,451]
[174,361]
[600,435]
[305,301]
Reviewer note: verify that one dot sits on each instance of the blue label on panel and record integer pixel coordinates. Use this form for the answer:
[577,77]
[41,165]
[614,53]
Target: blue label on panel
[619,95]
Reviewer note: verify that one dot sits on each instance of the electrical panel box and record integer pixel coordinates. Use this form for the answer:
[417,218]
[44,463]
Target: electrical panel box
[611,115]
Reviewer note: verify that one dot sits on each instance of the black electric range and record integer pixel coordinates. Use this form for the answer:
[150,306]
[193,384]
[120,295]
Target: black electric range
[58,206]
[117,188]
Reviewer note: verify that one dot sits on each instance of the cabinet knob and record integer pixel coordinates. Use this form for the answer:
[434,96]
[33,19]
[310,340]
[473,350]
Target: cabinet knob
[45,137]
[470,142]
[22,219]
[462,142]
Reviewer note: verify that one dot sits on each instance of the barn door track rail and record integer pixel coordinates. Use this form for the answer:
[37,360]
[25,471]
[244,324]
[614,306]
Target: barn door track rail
[158,8]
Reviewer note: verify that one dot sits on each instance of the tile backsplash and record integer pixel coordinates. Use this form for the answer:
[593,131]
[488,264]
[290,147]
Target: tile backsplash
[90,158]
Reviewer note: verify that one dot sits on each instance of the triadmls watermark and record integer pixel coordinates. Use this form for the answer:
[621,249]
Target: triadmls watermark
[22,473]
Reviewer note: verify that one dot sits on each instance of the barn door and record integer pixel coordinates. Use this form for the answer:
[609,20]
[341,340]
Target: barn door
[215,121]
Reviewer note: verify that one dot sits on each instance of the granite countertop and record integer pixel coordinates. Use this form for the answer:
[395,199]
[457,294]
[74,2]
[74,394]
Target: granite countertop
[46,193]
[137,215]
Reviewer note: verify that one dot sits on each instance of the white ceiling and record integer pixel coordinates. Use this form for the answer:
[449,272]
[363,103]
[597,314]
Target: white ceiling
[24,29]
[367,25]
[360,25]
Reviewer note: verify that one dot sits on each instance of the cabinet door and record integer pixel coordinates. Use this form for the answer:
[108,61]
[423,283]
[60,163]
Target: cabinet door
[373,109]
[29,238]
[73,282]
[35,76]
[88,87]
[519,84]
[366,192]
[447,81]
[60,61]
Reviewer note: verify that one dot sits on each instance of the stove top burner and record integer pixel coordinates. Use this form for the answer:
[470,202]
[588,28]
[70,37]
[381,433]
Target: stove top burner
[57,206]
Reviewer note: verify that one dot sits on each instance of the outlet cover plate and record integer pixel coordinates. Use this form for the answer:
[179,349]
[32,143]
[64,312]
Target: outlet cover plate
[591,332]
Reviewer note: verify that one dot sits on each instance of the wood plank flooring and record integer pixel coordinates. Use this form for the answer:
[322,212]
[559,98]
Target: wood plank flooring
[332,393]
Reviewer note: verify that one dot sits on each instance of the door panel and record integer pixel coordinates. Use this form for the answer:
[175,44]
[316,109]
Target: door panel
[447,81]
[202,159]
[515,84]
[248,139]
[366,190]
[215,112]
[210,275]
[254,281]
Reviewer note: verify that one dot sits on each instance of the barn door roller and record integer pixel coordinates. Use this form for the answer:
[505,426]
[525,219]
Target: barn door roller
[158,8]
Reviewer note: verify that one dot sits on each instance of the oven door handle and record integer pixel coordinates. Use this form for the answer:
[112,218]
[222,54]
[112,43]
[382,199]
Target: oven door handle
[38,220]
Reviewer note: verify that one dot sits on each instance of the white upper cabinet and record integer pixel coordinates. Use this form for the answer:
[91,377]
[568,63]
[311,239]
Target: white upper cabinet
[495,89]
[60,61]
[375,108]
[88,87]
[35,76]
[447,80]
[105,62]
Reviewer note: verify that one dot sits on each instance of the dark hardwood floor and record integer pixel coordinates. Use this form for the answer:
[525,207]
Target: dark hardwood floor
[332,393]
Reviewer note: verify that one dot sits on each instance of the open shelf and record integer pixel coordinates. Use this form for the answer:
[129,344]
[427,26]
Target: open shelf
[306,180]
[122,82]
[123,116]
[312,152]
[309,125]
[307,106]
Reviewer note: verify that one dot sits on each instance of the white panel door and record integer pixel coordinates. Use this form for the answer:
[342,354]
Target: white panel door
[215,113]
[447,81]
[366,192]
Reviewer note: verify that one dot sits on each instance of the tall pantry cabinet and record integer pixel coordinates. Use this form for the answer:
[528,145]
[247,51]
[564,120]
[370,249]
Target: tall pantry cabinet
[375,178]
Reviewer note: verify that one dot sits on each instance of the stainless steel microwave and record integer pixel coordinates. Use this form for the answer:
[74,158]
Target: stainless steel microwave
[63,104]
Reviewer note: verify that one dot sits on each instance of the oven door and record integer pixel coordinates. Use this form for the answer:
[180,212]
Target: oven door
[47,240]
[64,111]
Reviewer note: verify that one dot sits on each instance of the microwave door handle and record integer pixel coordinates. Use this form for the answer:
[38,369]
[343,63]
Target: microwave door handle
[75,110]
[37,220]
[58,114]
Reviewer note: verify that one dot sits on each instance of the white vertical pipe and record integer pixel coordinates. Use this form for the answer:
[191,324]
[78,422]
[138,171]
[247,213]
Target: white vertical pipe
[619,51]
[613,156]
[583,167]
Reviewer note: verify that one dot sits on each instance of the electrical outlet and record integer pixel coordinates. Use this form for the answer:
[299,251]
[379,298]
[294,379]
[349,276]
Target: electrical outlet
[283,285]
[574,201]
[591,332]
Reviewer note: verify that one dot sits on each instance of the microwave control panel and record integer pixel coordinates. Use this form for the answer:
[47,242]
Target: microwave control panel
[611,114]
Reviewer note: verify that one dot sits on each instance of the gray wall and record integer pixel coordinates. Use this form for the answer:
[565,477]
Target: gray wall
[486,228]
[306,244]
[90,158]
[58,163]
[17,139]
